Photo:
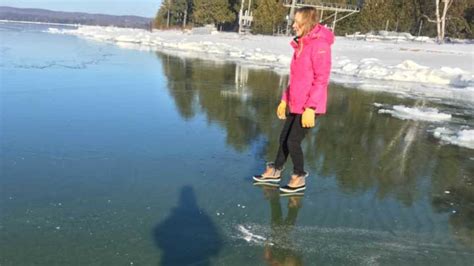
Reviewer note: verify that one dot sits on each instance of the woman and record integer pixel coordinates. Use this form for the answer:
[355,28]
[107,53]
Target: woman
[305,96]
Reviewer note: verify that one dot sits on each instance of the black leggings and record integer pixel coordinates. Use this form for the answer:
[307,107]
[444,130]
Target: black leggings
[291,137]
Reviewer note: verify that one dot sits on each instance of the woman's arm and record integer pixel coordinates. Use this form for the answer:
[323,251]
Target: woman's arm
[284,96]
[321,61]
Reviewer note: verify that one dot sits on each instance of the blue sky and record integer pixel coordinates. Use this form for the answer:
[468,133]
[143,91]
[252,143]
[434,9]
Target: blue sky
[145,8]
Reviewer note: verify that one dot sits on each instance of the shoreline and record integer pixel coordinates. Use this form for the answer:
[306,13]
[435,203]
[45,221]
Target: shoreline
[39,23]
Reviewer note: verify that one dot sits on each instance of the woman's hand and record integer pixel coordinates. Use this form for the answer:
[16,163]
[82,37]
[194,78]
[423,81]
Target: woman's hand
[281,110]
[308,118]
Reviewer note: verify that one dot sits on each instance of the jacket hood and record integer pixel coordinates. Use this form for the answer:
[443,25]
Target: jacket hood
[321,32]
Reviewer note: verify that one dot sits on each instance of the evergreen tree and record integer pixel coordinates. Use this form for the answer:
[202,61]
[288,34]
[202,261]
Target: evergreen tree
[457,21]
[182,10]
[374,15]
[404,16]
[268,15]
[409,16]
[173,12]
[202,11]
[222,12]
[215,12]
[160,20]
[469,16]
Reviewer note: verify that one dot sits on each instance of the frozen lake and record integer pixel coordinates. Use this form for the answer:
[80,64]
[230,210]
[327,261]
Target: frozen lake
[112,156]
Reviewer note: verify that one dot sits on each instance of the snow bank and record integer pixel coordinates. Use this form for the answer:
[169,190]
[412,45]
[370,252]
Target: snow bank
[463,137]
[407,71]
[420,114]
[179,42]
[421,65]
[389,36]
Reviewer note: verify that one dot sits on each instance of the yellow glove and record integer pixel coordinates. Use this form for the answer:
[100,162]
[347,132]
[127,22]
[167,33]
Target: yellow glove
[308,117]
[281,110]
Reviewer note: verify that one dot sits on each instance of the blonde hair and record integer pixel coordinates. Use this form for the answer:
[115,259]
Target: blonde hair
[310,17]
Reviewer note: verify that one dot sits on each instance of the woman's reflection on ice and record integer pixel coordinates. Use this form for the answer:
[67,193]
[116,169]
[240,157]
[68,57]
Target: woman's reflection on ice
[279,249]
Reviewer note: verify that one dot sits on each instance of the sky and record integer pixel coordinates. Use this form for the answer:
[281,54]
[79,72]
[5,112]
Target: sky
[144,8]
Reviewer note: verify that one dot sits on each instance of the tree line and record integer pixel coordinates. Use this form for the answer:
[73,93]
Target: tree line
[450,18]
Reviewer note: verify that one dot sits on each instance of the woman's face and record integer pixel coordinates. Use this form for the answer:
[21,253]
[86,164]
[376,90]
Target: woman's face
[297,25]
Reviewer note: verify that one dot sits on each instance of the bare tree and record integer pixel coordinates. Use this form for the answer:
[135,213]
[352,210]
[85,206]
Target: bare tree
[440,18]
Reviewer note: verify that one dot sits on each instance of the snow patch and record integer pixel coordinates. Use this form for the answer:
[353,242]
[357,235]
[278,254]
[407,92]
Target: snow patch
[55,31]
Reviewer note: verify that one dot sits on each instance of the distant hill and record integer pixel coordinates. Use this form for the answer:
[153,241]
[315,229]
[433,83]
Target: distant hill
[43,15]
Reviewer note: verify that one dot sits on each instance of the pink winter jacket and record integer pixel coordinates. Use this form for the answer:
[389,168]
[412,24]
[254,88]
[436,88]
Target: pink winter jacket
[309,75]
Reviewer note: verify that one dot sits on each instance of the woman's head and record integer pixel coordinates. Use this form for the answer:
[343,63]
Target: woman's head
[305,20]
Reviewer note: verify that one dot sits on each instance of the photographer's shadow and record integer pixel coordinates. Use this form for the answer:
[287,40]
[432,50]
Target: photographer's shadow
[188,236]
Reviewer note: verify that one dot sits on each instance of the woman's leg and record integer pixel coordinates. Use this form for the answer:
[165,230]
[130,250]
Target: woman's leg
[296,135]
[283,150]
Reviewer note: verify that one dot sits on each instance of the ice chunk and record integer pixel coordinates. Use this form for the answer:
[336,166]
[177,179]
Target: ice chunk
[463,137]
[415,113]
